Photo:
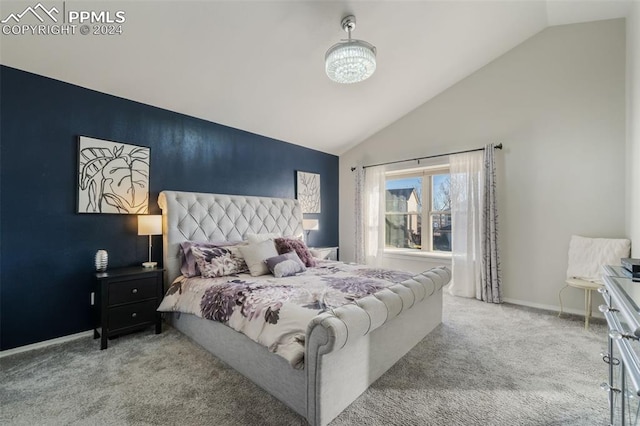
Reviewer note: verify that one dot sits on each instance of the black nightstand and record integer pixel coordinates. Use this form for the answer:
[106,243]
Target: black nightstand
[126,301]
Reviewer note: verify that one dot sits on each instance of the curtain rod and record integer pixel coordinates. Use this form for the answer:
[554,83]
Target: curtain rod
[499,146]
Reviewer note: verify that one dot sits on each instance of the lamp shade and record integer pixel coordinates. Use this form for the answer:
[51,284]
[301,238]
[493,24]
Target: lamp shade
[150,224]
[310,224]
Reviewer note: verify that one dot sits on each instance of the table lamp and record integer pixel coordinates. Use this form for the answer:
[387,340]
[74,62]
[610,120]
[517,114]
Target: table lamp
[309,225]
[150,225]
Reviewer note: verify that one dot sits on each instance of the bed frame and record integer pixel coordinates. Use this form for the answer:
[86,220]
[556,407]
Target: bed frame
[346,349]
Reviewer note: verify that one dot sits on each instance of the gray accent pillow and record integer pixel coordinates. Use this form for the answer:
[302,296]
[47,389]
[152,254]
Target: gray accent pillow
[285,265]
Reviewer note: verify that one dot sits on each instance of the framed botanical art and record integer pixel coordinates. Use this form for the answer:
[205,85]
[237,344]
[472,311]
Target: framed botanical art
[113,177]
[308,192]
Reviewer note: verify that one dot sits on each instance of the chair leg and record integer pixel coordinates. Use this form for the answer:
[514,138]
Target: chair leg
[560,297]
[587,311]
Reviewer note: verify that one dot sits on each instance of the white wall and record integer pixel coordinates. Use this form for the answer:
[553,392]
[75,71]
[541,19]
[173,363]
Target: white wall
[557,102]
[633,128]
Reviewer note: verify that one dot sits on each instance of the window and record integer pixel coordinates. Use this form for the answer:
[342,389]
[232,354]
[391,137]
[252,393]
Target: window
[414,198]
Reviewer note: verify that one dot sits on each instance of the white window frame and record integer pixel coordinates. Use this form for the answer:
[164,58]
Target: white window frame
[427,211]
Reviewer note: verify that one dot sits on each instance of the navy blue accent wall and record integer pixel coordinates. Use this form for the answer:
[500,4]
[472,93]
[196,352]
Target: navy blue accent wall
[47,249]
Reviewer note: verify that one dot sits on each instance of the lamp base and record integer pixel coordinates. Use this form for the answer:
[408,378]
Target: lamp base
[149,264]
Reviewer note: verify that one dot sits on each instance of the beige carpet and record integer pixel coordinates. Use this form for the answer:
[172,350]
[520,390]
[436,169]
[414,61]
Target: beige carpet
[485,365]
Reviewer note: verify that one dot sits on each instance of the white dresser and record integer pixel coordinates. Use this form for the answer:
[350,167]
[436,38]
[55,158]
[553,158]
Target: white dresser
[622,312]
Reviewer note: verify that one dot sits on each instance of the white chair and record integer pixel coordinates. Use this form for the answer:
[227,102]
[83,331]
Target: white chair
[587,256]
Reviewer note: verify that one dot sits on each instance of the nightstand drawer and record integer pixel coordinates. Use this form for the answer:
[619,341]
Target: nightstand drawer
[132,314]
[132,290]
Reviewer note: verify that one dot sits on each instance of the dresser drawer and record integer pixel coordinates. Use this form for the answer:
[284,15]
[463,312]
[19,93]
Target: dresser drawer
[132,314]
[132,290]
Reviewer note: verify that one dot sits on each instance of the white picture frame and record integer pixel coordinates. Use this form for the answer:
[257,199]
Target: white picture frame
[113,177]
[308,192]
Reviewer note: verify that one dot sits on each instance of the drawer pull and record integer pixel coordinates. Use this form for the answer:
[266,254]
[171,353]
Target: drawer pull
[608,359]
[605,308]
[608,388]
[134,291]
[133,315]
[617,335]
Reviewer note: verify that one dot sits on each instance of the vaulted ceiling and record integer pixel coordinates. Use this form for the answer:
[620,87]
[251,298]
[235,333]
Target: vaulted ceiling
[259,65]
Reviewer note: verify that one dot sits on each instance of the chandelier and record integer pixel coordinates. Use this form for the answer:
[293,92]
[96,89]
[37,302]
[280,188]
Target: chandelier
[350,61]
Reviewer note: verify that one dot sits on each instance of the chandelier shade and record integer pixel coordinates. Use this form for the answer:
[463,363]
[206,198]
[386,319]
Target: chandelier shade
[350,61]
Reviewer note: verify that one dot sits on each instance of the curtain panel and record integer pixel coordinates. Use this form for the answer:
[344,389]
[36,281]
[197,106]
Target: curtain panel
[360,209]
[374,199]
[474,219]
[465,170]
[491,282]
[370,209]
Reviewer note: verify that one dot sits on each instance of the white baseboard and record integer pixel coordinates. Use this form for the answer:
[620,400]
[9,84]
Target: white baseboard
[8,352]
[554,308]
[46,343]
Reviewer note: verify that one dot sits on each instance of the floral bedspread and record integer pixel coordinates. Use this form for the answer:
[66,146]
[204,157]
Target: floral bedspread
[272,311]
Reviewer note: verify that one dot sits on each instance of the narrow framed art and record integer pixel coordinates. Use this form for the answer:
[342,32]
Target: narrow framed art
[308,192]
[113,177]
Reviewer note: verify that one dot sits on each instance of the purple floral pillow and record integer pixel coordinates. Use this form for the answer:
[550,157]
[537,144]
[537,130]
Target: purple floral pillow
[189,266]
[219,261]
[285,245]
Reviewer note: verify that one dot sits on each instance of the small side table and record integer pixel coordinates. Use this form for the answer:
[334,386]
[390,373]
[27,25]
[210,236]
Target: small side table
[126,301]
[588,287]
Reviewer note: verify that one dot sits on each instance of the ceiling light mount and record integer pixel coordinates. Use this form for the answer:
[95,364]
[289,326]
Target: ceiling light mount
[348,24]
[350,61]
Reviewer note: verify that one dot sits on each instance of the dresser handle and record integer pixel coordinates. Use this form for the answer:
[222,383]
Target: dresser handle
[608,388]
[605,308]
[608,359]
[134,291]
[133,315]
[617,335]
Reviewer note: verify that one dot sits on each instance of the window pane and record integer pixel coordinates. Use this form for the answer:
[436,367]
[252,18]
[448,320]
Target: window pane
[403,221]
[441,192]
[403,230]
[441,226]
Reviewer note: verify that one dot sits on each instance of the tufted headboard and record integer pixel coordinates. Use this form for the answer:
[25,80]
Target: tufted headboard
[193,216]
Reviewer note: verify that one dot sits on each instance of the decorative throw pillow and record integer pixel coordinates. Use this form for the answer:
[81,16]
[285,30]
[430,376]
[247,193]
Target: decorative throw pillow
[189,266]
[258,238]
[256,254]
[219,261]
[285,245]
[285,265]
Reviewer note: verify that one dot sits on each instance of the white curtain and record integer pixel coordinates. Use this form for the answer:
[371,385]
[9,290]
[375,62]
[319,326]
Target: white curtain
[465,170]
[370,208]
[474,220]
[359,228]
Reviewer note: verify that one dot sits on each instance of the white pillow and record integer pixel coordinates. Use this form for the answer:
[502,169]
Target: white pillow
[258,238]
[256,254]
[588,255]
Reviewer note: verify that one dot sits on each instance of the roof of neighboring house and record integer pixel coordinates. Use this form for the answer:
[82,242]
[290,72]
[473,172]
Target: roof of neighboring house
[404,193]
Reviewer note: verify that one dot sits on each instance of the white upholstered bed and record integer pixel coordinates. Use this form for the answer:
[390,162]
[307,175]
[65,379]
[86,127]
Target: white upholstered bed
[346,348]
